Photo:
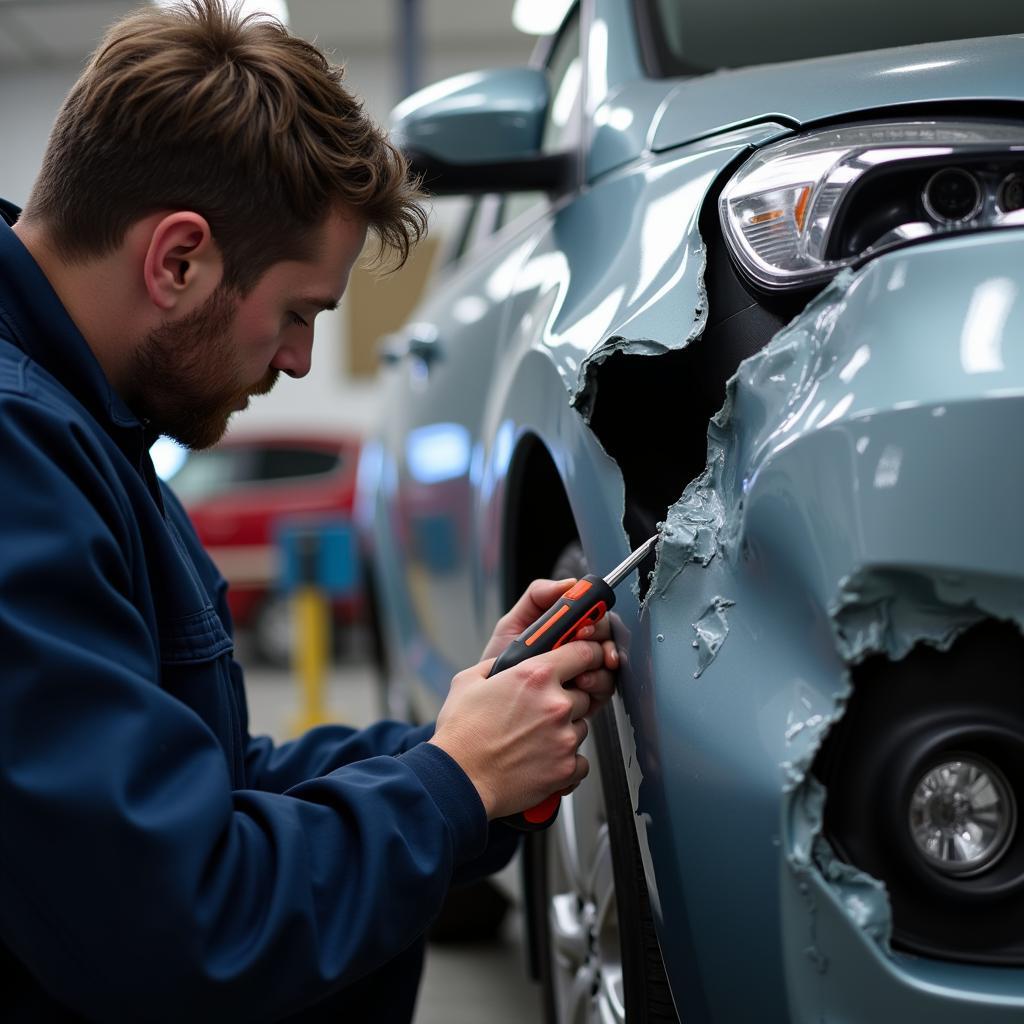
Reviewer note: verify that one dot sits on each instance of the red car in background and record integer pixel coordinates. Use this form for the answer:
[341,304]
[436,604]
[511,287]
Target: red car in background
[239,492]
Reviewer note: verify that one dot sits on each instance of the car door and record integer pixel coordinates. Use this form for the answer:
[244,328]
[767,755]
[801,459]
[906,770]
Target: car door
[431,422]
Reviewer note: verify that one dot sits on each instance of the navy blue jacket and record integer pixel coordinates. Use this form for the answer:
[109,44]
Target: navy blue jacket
[156,862]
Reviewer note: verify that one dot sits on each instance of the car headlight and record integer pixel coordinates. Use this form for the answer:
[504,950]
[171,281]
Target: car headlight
[801,209]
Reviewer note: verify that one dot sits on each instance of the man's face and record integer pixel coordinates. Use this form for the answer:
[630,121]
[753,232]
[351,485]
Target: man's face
[189,375]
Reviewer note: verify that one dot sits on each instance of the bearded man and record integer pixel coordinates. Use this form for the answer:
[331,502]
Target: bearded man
[207,188]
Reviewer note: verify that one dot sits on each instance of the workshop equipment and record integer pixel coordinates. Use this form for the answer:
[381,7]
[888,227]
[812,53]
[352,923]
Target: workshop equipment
[583,604]
[318,565]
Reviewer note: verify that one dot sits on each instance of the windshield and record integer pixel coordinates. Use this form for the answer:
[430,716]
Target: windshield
[692,37]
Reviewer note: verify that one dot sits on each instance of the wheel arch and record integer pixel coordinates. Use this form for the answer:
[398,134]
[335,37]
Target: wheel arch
[539,519]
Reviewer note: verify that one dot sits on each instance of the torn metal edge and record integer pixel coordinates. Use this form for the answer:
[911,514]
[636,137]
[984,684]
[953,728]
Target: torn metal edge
[864,899]
[708,516]
[891,612]
[585,394]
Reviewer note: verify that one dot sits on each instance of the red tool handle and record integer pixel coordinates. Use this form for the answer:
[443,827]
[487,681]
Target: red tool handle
[581,605]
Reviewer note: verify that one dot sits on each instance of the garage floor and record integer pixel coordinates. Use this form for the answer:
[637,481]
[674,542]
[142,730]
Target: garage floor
[461,985]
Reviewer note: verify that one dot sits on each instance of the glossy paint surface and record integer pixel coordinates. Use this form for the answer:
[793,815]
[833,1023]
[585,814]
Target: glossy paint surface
[478,117]
[865,444]
[834,87]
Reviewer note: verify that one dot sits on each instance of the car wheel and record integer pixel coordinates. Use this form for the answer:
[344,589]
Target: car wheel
[598,953]
[392,699]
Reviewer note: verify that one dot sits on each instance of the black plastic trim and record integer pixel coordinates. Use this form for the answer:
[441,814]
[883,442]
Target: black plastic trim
[549,173]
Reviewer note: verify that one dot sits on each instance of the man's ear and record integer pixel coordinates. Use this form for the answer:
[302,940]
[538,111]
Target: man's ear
[182,265]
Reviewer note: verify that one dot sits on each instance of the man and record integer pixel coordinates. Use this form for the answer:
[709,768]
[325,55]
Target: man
[206,190]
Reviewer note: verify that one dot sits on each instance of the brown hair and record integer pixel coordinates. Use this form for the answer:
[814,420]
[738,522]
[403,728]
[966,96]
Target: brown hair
[194,107]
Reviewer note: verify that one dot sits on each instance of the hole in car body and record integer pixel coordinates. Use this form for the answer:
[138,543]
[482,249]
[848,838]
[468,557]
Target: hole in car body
[931,749]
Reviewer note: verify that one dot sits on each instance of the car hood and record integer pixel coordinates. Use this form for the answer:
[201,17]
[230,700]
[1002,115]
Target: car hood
[802,92]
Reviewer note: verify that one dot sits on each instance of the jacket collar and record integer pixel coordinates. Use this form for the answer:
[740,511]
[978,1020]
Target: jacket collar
[37,322]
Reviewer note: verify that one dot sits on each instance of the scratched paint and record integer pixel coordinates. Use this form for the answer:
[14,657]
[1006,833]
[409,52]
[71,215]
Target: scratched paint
[712,628]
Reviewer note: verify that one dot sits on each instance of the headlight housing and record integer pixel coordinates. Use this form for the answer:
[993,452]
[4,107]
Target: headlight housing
[801,209]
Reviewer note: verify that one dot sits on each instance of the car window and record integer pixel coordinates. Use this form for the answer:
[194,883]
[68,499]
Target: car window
[466,231]
[206,473]
[289,463]
[515,204]
[690,37]
[564,124]
[216,471]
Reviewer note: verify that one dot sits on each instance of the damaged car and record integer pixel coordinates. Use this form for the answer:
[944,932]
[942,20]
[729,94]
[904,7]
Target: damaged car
[748,277]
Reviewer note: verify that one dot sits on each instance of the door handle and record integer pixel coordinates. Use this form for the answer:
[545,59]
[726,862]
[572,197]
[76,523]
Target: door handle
[423,343]
[416,341]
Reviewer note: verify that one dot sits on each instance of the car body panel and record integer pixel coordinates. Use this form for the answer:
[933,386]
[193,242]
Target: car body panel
[806,544]
[812,501]
[434,467]
[622,124]
[838,87]
[583,294]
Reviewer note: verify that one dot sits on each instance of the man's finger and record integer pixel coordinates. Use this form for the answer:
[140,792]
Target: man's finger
[573,659]
[582,769]
[540,596]
[600,685]
[580,704]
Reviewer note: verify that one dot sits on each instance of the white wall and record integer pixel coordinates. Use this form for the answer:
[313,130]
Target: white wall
[29,101]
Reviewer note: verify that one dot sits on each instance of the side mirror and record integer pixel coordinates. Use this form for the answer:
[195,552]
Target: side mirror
[481,132]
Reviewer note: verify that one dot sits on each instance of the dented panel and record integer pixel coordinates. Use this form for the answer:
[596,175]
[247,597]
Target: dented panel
[851,505]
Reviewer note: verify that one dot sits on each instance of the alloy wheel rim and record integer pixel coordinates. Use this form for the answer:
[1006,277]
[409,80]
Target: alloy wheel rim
[586,958]
[962,815]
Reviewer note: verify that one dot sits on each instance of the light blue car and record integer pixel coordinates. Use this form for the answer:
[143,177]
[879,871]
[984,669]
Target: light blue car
[774,313]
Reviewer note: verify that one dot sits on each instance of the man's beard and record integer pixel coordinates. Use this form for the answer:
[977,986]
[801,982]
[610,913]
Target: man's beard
[186,380]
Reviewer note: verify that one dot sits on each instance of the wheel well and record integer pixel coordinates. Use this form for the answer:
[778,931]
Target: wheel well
[539,519]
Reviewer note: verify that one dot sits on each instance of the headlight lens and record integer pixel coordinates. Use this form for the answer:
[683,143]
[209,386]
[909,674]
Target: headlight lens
[801,209]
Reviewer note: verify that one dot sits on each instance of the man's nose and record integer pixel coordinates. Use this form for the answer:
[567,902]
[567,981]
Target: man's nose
[294,358]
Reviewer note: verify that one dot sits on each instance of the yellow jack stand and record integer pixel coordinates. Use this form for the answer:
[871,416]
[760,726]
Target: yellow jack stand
[311,654]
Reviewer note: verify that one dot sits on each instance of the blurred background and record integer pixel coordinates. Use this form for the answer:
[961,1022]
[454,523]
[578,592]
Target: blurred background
[293,454]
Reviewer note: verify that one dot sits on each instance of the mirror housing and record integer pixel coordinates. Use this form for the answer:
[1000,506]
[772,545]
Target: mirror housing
[480,132]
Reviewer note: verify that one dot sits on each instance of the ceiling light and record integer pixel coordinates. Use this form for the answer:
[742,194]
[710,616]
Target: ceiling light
[539,17]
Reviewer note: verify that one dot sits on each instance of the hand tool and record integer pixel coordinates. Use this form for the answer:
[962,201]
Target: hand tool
[583,604]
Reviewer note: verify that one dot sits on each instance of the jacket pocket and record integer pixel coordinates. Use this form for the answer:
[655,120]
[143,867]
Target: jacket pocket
[195,668]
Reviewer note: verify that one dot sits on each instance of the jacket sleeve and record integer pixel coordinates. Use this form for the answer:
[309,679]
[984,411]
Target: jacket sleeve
[135,883]
[275,768]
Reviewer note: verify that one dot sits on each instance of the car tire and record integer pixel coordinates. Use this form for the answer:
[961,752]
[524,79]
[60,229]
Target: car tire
[593,930]
[391,697]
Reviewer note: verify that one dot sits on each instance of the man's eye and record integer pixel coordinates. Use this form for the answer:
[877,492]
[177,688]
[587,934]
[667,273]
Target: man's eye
[296,319]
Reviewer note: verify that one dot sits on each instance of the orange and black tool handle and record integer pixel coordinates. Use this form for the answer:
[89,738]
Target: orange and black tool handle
[581,605]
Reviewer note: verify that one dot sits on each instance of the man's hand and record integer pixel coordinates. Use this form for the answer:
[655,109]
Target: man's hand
[539,597]
[516,734]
